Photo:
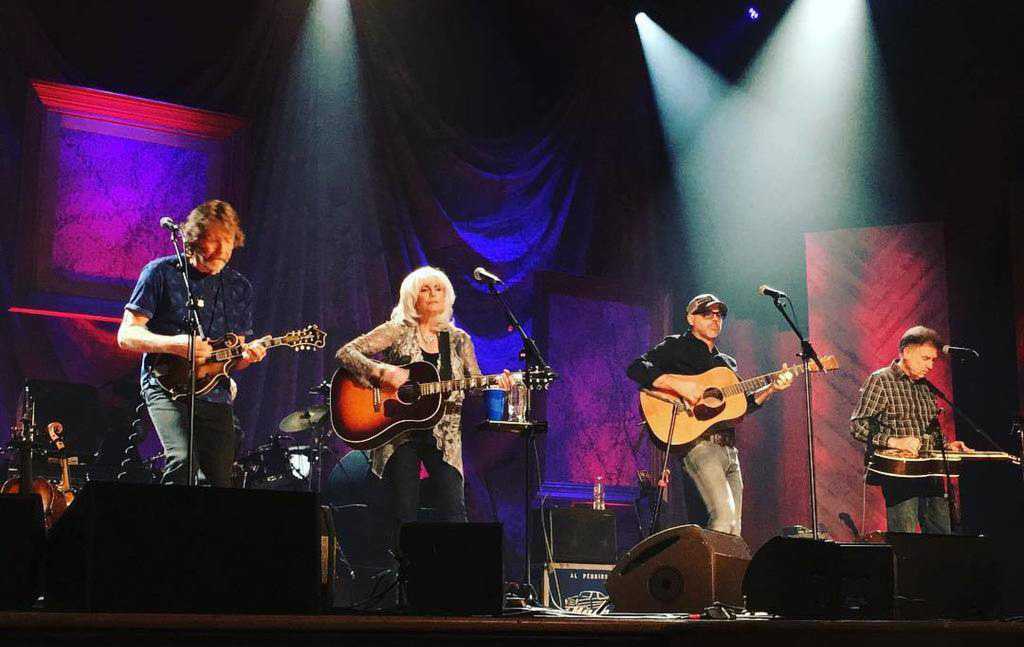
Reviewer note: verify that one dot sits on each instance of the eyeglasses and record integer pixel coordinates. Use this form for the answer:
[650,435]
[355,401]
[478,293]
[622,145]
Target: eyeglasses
[712,314]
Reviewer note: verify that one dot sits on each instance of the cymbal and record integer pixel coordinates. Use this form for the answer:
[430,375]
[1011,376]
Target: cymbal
[303,420]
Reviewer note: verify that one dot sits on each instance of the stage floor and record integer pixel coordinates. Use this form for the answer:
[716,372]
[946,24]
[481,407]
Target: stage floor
[41,628]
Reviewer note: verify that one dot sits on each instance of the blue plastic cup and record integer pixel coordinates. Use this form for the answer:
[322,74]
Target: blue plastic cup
[495,399]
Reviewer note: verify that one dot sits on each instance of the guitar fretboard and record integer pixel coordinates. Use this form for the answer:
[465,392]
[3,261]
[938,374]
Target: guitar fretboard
[447,386]
[975,455]
[761,381]
[234,352]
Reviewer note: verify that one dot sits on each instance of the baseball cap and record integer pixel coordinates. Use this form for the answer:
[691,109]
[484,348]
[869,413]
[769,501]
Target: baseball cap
[704,302]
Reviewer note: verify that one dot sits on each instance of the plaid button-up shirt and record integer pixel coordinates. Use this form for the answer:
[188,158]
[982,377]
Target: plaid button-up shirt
[891,404]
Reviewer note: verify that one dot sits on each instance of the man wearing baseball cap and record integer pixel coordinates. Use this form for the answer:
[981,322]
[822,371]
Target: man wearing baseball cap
[711,460]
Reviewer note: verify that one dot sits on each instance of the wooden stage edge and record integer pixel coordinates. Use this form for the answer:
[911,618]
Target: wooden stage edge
[38,628]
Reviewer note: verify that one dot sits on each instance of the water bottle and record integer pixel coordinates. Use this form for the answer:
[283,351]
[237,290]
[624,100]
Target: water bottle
[599,493]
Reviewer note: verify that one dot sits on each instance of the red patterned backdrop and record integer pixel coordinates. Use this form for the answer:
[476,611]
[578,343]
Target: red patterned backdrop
[865,288]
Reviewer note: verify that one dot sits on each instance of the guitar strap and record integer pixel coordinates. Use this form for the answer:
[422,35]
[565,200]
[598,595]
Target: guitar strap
[444,355]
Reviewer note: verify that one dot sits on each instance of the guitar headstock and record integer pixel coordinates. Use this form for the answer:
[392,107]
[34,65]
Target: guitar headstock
[539,378]
[308,338]
[828,362]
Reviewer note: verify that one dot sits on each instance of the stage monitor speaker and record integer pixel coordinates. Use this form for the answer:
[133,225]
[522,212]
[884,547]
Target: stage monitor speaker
[944,576]
[685,568]
[814,579]
[577,535]
[22,546]
[453,567]
[159,548]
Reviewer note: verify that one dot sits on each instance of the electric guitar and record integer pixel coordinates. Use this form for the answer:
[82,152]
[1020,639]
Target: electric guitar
[368,417]
[903,464]
[722,404]
[171,371]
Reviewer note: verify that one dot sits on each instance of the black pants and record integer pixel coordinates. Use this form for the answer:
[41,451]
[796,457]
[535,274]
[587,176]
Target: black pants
[402,481]
[215,438]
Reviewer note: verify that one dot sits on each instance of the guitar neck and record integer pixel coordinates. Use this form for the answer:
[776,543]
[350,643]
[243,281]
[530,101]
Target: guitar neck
[234,352]
[761,381]
[448,386]
[975,455]
[55,429]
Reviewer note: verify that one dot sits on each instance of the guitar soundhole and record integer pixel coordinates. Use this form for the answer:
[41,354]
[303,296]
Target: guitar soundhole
[409,393]
[710,405]
[713,398]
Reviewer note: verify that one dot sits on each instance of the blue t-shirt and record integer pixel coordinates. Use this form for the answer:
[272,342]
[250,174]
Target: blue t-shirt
[227,299]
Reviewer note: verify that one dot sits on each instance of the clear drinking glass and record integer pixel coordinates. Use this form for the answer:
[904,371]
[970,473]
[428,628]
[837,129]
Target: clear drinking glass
[518,400]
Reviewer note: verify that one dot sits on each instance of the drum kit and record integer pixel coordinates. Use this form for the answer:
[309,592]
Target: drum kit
[292,459]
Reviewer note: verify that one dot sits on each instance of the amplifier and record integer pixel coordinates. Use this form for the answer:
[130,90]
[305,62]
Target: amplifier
[580,588]
[576,535]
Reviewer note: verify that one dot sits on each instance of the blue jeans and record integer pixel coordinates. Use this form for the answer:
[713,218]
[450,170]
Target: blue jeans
[715,469]
[909,502]
[215,438]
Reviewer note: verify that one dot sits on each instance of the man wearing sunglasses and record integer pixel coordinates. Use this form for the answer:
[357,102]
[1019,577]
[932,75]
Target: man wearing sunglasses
[711,460]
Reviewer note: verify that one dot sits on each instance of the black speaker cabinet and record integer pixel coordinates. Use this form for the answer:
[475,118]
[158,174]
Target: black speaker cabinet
[576,535]
[453,567]
[158,548]
[22,547]
[944,576]
[685,568]
[806,578]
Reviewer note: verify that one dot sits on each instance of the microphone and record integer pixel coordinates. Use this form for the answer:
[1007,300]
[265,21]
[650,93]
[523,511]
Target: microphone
[483,276]
[768,291]
[960,350]
[169,224]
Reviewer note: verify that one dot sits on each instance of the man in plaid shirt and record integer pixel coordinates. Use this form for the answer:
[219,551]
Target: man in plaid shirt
[897,411]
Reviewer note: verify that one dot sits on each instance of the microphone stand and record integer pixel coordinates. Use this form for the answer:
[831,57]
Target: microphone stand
[535,363]
[807,355]
[1017,429]
[195,329]
[963,416]
[973,425]
[25,443]
[947,489]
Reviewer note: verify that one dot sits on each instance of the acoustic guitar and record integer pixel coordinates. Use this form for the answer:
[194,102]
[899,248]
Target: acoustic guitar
[366,417]
[722,404]
[171,371]
[903,464]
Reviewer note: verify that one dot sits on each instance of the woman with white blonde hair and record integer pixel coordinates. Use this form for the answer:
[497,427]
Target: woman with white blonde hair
[408,294]
[424,309]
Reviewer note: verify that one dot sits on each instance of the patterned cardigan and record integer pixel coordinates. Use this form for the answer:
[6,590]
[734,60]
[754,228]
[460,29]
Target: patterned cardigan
[396,343]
